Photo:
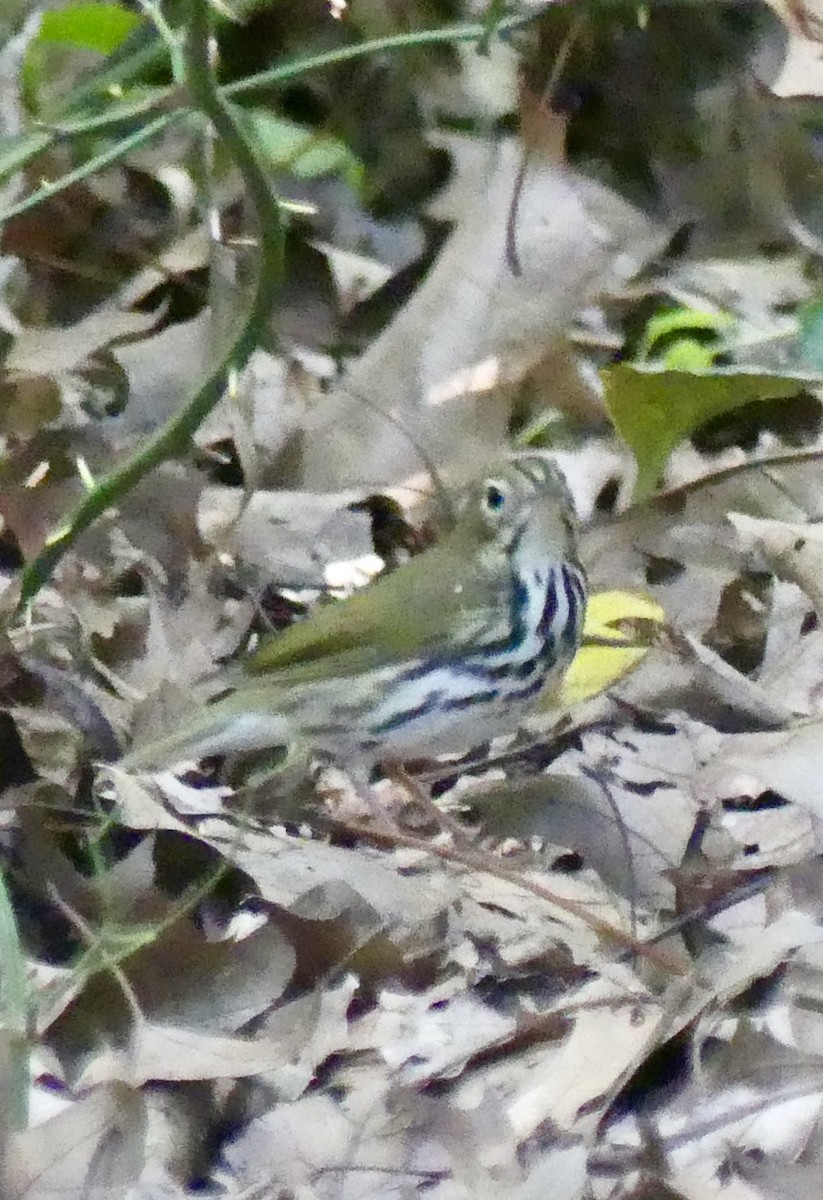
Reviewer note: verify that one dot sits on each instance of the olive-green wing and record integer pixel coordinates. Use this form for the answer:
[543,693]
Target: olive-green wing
[413,610]
[340,664]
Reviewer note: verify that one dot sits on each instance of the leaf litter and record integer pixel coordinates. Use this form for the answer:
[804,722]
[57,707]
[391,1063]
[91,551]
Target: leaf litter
[233,988]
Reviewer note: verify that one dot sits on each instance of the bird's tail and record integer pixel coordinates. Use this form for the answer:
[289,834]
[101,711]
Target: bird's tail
[240,723]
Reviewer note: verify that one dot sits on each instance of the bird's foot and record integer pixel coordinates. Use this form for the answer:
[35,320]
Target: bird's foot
[421,799]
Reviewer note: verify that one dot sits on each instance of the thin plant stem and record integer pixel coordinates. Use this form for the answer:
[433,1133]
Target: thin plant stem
[91,166]
[71,121]
[480,860]
[449,34]
[14,1016]
[252,328]
[213,103]
[558,67]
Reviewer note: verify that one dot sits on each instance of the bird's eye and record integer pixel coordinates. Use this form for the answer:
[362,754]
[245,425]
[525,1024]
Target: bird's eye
[494,497]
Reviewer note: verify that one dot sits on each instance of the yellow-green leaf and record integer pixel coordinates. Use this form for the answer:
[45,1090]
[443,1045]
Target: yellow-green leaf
[674,324]
[305,153]
[609,617]
[94,26]
[654,409]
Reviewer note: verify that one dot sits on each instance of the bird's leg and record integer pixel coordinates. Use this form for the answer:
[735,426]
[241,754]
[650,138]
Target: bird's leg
[385,823]
[398,774]
[360,783]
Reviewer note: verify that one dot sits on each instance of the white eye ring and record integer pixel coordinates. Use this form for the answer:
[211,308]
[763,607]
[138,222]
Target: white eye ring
[494,497]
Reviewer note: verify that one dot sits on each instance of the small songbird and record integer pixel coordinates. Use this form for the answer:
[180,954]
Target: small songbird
[449,650]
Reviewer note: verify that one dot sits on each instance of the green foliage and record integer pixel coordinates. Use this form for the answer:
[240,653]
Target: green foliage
[654,408]
[675,385]
[100,27]
[811,334]
[14,1013]
[97,28]
[304,153]
[684,339]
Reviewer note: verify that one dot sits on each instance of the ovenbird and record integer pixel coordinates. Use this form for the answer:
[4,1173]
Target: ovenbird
[442,654]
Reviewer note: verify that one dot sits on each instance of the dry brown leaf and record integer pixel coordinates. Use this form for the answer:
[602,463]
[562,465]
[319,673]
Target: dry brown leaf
[319,882]
[56,351]
[801,73]
[780,1179]
[137,805]
[624,800]
[476,308]
[303,1156]
[786,762]
[432,1035]
[793,551]
[562,1173]
[183,980]
[284,537]
[309,1030]
[612,1031]
[91,1151]
[173,1053]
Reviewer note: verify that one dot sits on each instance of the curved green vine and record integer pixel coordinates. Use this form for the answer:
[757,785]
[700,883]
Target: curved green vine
[176,432]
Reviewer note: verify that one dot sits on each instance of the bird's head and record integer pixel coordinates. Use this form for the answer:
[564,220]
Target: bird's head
[521,505]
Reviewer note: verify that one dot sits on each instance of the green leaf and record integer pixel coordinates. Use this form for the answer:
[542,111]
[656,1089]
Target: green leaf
[15,1000]
[811,333]
[689,354]
[305,153]
[100,27]
[598,667]
[670,324]
[97,27]
[653,409]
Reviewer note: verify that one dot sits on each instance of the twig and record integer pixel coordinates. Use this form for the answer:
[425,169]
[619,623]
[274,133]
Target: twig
[598,774]
[479,861]
[558,66]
